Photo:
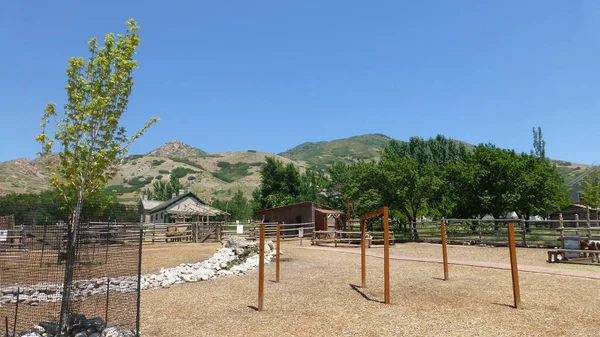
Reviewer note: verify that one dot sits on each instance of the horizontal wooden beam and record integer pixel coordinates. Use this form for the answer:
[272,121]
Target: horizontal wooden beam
[373,214]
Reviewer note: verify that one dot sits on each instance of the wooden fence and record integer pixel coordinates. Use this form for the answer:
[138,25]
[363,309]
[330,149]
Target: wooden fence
[349,237]
[534,233]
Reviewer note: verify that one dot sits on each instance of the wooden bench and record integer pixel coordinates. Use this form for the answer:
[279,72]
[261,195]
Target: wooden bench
[553,254]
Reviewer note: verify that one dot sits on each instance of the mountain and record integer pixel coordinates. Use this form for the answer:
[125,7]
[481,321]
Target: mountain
[322,154]
[212,174]
[176,149]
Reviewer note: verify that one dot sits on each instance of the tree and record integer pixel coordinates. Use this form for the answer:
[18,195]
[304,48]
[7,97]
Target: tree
[591,189]
[239,207]
[91,139]
[539,145]
[408,186]
[540,189]
[162,190]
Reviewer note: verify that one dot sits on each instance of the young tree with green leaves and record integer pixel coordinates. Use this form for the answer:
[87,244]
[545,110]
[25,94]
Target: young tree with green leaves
[591,188]
[91,139]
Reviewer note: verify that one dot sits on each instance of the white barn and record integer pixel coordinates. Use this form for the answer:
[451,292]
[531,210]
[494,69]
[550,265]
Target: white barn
[181,208]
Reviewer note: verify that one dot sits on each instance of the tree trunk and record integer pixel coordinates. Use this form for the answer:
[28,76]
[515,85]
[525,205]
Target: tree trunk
[415,232]
[65,310]
[496,224]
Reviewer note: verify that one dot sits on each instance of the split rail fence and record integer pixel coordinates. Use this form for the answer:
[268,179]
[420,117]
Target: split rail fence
[528,233]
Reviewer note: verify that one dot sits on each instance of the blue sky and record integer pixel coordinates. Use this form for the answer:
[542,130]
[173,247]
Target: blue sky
[269,75]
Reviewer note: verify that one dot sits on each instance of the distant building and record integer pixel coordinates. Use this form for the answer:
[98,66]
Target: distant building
[576,188]
[571,212]
[185,207]
[302,212]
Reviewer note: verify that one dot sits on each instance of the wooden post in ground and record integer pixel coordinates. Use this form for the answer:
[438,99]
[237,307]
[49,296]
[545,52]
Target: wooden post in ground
[386,254]
[348,214]
[363,253]
[277,252]
[513,265]
[261,267]
[444,249]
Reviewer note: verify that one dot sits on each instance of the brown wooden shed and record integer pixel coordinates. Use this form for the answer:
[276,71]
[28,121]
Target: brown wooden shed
[302,212]
[569,212]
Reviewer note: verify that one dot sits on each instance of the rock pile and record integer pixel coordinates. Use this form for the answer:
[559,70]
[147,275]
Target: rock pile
[81,327]
[236,258]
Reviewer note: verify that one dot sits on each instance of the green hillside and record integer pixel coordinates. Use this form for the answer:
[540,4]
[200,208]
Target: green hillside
[322,154]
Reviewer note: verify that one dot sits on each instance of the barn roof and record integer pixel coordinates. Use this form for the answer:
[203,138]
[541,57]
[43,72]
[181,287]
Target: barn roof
[198,208]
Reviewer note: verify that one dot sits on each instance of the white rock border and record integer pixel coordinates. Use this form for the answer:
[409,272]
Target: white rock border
[237,258]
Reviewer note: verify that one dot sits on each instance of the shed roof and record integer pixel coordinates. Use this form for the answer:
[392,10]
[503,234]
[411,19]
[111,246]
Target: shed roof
[321,208]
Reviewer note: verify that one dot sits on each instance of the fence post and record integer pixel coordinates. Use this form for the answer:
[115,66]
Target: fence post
[444,249]
[561,228]
[261,267]
[139,282]
[577,223]
[524,231]
[277,252]
[386,253]
[363,252]
[589,225]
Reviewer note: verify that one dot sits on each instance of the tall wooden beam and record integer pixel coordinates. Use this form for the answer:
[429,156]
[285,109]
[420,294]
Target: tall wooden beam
[386,254]
[444,249]
[363,252]
[513,265]
[277,252]
[261,267]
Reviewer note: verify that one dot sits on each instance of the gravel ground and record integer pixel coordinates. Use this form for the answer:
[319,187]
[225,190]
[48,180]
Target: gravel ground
[317,296]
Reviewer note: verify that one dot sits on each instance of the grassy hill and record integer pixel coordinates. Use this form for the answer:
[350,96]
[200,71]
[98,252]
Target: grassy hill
[213,174]
[322,154]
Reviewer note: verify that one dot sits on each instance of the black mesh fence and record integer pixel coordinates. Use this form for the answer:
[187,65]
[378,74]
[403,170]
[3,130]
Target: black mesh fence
[34,256]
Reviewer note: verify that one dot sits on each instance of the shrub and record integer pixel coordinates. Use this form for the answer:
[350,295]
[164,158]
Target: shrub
[180,172]
[164,171]
[140,181]
[231,172]
[132,158]
[191,178]
[223,164]
[118,189]
[157,162]
[252,151]
[187,161]
[158,177]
